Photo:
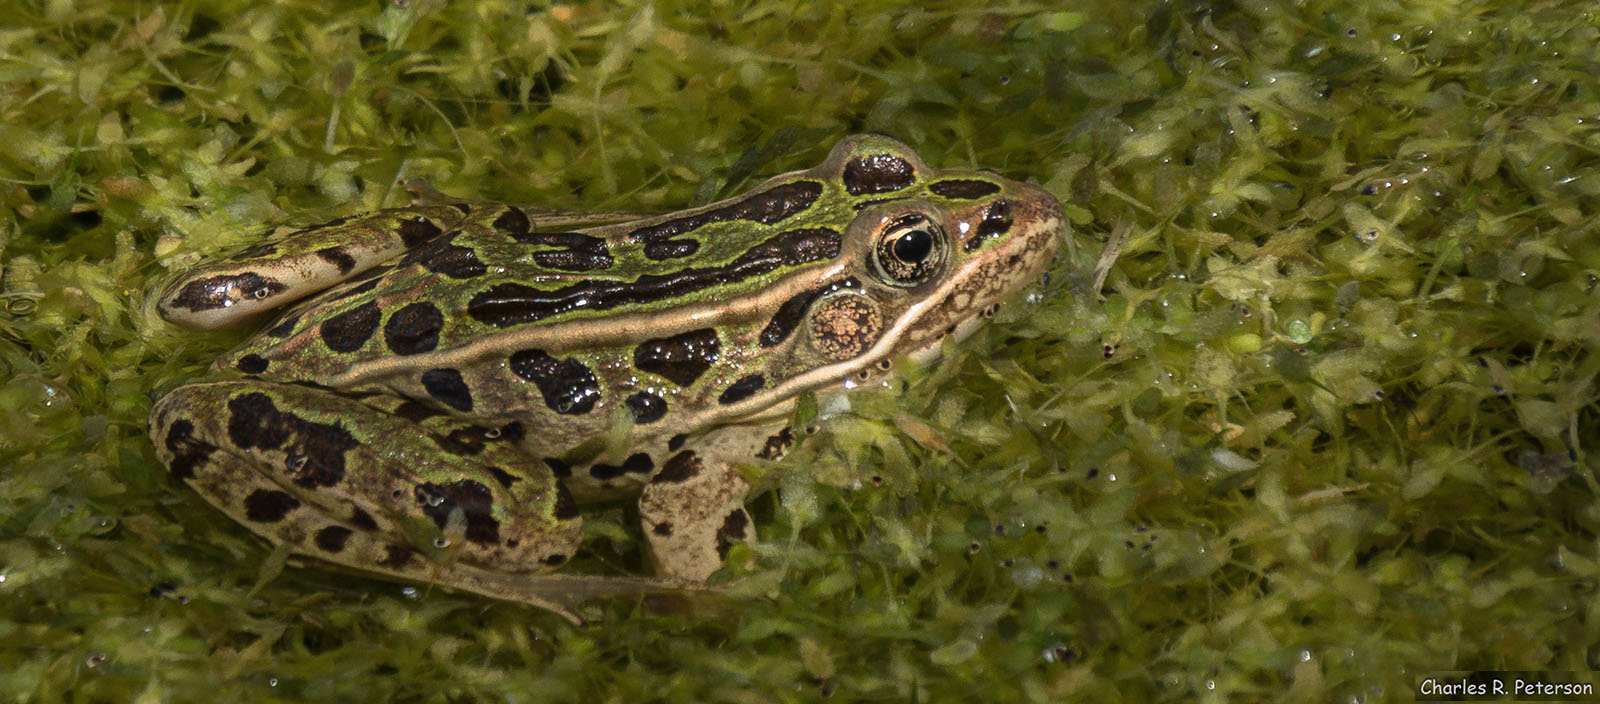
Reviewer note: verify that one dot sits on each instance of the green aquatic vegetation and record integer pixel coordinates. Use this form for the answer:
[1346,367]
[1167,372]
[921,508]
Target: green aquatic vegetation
[1317,419]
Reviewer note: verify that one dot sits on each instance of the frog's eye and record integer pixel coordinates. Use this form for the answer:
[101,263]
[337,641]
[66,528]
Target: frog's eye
[910,250]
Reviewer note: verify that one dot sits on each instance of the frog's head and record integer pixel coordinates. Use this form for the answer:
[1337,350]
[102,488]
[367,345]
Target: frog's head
[927,254]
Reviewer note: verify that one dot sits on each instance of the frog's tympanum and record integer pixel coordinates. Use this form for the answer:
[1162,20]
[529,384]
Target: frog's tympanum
[458,378]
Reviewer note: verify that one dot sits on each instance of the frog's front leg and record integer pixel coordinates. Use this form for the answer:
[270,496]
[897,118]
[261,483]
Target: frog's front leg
[394,491]
[692,512]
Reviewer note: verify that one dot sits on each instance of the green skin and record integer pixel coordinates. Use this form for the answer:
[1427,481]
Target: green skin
[462,381]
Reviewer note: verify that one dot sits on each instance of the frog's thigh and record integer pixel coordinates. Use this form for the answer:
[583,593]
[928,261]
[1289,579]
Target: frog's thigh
[301,467]
[692,512]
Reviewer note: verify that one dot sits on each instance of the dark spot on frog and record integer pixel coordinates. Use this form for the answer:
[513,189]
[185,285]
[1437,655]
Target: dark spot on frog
[269,505]
[637,463]
[789,314]
[568,387]
[996,222]
[513,221]
[442,257]
[877,173]
[646,407]
[214,292]
[416,230]
[767,207]
[681,358]
[575,251]
[512,303]
[337,257]
[284,328]
[348,331]
[465,208]
[679,468]
[466,441]
[778,445]
[251,364]
[414,329]
[416,411]
[254,422]
[742,389]
[677,441]
[559,468]
[361,519]
[473,499]
[554,560]
[331,223]
[188,451]
[396,557]
[734,529]
[447,387]
[332,538]
[864,204]
[671,249]
[566,507]
[505,478]
[663,529]
[966,189]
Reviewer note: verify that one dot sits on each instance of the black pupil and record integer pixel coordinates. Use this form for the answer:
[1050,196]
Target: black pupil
[913,246]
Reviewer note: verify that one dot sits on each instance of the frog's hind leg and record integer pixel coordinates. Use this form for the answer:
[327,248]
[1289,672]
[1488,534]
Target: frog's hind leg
[233,291]
[315,470]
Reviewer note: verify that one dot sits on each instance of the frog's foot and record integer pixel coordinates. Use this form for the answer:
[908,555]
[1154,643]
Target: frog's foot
[692,512]
[365,488]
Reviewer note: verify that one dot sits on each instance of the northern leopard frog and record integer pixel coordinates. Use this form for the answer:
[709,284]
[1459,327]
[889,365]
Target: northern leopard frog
[463,378]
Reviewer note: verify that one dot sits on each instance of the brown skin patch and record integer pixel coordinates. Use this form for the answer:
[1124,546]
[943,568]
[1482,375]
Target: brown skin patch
[251,364]
[568,387]
[681,358]
[637,463]
[577,252]
[396,557]
[447,387]
[996,222]
[188,451]
[878,173]
[348,331]
[269,505]
[513,221]
[845,326]
[337,257]
[646,407]
[417,230]
[778,444]
[507,304]
[679,468]
[474,500]
[742,389]
[361,519]
[566,507]
[965,189]
[332,538]
[793,310]
[767,207]
[733,530]
[315,452]
[414,329]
